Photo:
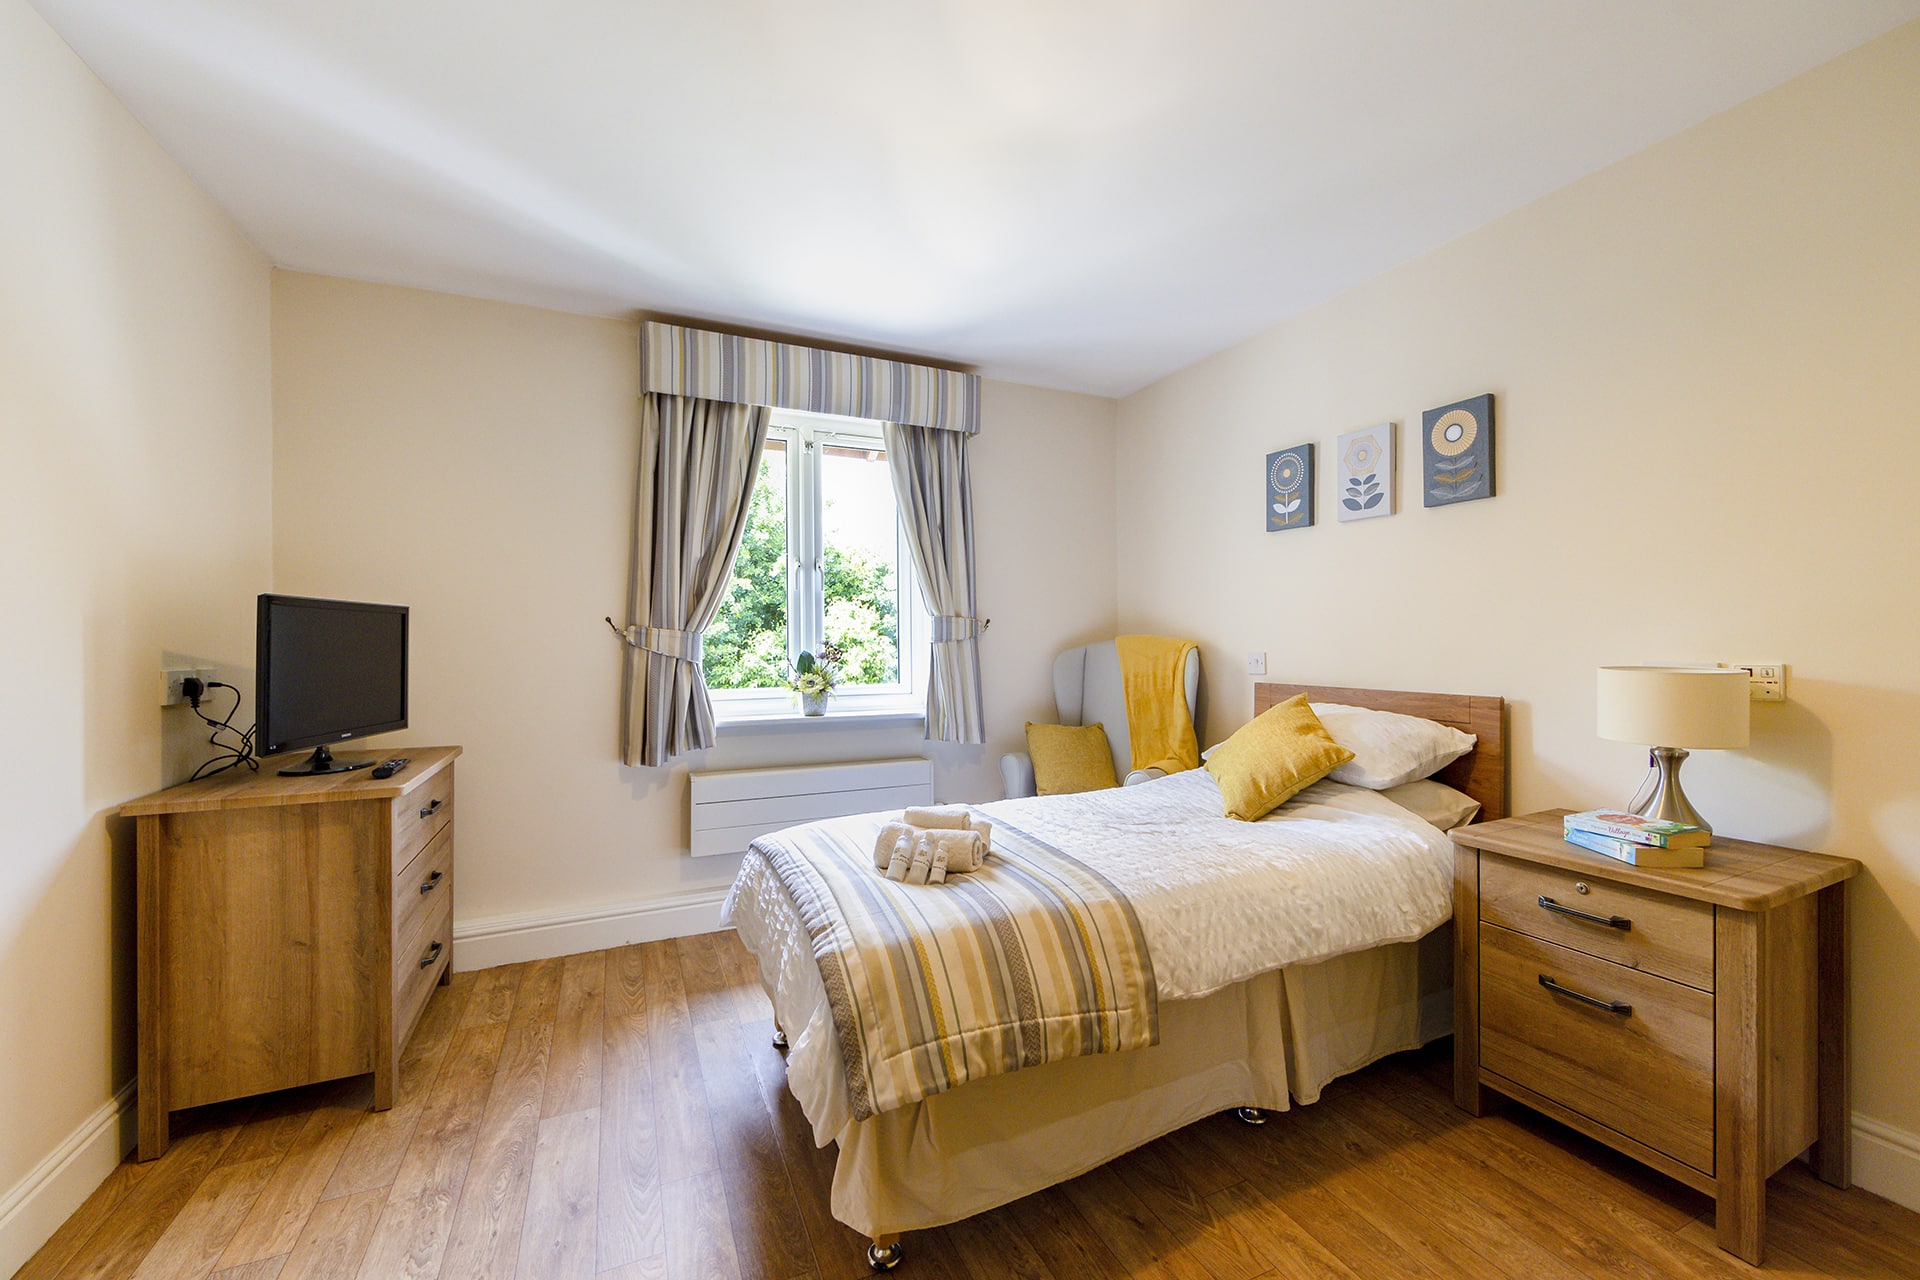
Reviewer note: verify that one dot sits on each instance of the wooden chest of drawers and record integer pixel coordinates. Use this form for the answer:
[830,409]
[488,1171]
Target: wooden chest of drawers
[291,930]
[1696,1020]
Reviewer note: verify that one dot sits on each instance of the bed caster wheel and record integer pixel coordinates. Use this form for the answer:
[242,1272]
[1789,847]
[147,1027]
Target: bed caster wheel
[779,1038]
[885,1257]
[1249,1115]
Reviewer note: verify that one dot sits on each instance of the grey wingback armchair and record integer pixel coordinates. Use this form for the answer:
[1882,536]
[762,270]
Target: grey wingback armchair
[1087,689]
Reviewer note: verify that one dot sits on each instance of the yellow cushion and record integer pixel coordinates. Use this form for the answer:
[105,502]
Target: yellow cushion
[1069,758]
[1278,753]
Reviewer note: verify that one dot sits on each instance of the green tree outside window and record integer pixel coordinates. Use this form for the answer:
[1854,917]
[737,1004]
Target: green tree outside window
[746,648]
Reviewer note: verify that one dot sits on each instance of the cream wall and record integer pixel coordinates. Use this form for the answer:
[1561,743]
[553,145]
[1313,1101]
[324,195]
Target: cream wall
[1706,363]
[135,467]
[474,460]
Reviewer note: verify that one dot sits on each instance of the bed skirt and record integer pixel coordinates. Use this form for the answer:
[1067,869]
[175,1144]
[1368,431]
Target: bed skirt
[1273,1040]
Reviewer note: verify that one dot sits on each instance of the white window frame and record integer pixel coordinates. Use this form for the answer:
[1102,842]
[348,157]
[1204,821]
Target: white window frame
[804,434]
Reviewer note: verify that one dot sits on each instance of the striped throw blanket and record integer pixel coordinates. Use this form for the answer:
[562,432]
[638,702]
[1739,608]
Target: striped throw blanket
[1034,958]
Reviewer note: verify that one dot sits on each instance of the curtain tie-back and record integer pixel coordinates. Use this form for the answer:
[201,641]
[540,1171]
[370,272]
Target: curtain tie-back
[950,627]
[674,644]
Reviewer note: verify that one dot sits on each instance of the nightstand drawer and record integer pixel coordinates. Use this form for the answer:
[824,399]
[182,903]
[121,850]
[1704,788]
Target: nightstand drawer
[1646,1072]
[1652,931]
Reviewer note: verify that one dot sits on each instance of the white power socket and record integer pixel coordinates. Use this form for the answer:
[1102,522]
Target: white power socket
[171,678]
[1767,681]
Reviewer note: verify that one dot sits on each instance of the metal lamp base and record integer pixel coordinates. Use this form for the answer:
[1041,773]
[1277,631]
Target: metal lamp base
[1669,803]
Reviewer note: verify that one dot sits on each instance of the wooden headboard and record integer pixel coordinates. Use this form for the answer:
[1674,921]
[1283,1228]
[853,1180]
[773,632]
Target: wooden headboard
[1481,773]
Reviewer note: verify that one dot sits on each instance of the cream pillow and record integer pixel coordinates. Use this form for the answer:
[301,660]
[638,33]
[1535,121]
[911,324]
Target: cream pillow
[1069,758]
[1440,804]
[1389,748]
[1273,756]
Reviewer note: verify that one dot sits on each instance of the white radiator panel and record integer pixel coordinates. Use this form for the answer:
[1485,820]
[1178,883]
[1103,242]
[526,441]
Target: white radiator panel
[730,808]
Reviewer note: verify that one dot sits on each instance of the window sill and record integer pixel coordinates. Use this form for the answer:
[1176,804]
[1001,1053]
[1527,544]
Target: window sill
[848,718]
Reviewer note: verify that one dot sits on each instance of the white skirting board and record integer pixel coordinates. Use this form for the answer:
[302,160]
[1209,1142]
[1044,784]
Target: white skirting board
[482,944]
[33,1208]
[1886,1161]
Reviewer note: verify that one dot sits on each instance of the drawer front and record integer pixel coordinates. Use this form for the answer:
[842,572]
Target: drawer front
[413,983]
[419,815]
[1664,935]
[420,887]
[1647,1073]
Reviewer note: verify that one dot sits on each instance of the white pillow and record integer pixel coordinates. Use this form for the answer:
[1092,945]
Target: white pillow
[1437,802]
[1389,748]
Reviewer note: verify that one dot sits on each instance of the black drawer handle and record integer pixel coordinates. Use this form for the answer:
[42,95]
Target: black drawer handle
[432,809]
[433,953]
[1612,922]
[1611,1006]
[433,882]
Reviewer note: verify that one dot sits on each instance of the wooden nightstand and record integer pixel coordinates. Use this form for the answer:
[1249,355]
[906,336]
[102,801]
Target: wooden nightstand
[1695,1020]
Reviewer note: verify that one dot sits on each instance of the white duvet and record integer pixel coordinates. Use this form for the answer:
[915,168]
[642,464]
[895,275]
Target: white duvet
[1335,869]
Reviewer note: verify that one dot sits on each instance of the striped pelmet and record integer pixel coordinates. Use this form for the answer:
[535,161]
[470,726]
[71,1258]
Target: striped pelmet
[1032,959]
[676,360]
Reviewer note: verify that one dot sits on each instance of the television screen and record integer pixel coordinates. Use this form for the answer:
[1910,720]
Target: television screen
[329,670]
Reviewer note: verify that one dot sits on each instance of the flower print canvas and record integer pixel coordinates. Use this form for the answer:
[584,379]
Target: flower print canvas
[1290,488]
[1456,441]
[1363,473]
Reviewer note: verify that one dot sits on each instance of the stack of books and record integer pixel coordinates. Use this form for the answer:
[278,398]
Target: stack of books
[1643,842]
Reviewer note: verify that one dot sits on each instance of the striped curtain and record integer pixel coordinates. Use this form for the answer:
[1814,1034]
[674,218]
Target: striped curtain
[934,488]
[678,361]
[698,463]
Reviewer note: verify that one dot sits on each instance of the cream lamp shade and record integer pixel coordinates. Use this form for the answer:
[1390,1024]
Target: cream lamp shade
[1697,708]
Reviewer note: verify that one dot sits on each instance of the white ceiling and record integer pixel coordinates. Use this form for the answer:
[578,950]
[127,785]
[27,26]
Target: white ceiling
[1078,193]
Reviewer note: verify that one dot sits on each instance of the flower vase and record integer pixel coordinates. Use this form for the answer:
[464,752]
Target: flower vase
[813,704]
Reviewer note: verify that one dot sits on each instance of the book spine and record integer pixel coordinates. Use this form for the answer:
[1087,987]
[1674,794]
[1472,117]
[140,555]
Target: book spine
[1617,831]
[1624,850]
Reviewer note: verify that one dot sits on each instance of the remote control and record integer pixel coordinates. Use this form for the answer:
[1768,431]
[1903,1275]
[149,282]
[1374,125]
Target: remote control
[387,768]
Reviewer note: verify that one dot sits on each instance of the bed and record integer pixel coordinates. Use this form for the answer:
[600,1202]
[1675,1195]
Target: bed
[1235,1032]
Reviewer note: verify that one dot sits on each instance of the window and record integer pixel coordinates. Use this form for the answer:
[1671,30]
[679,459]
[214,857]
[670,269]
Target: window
[823,559]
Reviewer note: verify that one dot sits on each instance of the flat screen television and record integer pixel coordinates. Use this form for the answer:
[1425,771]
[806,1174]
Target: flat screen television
[327,671]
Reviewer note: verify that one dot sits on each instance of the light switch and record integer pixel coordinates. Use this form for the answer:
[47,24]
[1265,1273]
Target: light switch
[1256,664]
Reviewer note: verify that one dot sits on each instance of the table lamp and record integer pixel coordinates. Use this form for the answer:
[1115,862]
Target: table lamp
[1671,710]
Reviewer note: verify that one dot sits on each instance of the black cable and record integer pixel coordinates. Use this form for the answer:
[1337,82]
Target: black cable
[231,756]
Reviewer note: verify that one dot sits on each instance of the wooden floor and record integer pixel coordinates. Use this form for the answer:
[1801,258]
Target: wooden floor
[623,1114]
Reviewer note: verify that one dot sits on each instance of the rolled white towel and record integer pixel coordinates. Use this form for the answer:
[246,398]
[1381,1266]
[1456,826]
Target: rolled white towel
[950,817]
[962,850]
[945,817]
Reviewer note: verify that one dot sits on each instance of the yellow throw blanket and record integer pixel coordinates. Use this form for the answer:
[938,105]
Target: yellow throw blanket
[1153,670]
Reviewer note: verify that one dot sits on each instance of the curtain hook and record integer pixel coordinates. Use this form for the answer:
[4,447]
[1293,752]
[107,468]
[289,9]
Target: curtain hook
[616,630]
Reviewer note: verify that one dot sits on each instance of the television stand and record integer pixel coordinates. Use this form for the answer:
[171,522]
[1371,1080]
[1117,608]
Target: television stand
[288,931]
[324,761]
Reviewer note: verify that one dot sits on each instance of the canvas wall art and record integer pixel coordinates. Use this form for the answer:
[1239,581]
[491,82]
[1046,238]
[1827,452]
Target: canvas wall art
[1456,443]
[1363,473]
[1290,488]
